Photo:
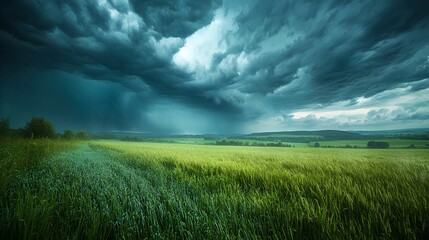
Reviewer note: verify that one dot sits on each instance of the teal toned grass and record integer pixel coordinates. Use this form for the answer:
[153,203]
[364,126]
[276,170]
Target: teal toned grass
[125,190]
[19,155]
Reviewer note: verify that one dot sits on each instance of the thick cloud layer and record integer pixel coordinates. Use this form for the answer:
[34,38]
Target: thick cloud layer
[231,66]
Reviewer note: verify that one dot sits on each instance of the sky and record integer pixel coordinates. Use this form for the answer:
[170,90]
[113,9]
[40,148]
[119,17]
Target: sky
[231,66]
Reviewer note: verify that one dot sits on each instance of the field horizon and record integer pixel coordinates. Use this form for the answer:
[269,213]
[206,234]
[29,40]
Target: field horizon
[389,131]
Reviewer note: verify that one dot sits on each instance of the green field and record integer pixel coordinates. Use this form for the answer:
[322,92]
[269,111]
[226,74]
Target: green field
[393,143]
[110,190]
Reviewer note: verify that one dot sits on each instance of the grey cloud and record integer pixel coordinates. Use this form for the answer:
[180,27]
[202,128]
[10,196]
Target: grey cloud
[378,115]
[70,101]
[316,52]
[350,50]
[401,114]
[176,18]
[309,122]
[420,85]
[410,114]
[81,36]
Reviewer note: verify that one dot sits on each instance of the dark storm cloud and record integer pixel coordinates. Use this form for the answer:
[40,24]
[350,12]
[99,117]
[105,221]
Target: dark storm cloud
[86,37]
[69,101]
[254,58]
[345,48]
[176,18]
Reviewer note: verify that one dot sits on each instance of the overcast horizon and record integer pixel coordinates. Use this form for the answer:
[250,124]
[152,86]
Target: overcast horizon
[221,67]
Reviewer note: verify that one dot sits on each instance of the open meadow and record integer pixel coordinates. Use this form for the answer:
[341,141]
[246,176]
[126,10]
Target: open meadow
[217,119]
[111,189]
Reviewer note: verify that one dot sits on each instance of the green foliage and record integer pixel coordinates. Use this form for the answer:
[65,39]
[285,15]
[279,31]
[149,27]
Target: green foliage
[4,127]
[316,144]
[393,143]
[374,144]
[82,135]
[38,127]
[68,134]
[123,190]
[253,143]
[20,155]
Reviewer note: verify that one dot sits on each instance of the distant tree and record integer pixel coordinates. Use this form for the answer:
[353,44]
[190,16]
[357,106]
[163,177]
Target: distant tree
[4,127]
[412,146]
[68,134]
[317,144]
[38,127]
[374,144]
[82,134]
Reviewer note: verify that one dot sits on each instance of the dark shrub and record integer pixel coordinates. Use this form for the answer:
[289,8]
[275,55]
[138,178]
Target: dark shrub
[374,144]
[68,134]
[4,127]
[38,127]
[82,135]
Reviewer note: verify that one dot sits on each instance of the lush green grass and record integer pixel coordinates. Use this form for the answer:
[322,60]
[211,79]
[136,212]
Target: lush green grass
[168,191]
[19,155]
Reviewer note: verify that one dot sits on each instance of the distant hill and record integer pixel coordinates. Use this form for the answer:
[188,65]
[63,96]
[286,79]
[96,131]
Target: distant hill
[305,136]
[322,133]
[418,131]
[283,136]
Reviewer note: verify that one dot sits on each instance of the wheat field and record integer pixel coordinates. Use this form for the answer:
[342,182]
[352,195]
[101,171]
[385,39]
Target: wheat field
[123,190]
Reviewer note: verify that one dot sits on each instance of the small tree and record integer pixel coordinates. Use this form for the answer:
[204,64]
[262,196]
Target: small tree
[4,127]
[317,144]
[38,127]
[374,144]
[82,134]
[68,134]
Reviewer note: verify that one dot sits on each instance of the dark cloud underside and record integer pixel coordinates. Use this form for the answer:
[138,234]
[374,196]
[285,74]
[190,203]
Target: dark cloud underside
[212,62]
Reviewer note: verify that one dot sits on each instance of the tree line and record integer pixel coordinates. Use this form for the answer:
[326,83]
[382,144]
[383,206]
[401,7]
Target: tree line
[370,144]
[39,127]
[257,144]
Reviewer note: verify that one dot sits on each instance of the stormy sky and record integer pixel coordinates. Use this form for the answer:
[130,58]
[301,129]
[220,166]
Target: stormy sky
[231,66]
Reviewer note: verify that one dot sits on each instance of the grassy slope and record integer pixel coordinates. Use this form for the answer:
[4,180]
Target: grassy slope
[138,190]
